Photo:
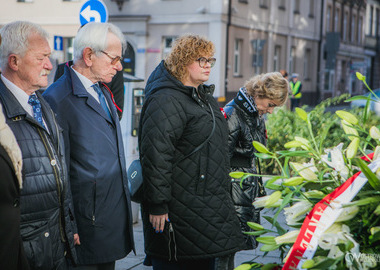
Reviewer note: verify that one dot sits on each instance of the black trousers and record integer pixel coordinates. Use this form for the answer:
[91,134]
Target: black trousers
[206,264]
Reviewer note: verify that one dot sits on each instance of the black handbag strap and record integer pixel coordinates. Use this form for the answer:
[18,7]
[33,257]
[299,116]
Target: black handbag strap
[199,147]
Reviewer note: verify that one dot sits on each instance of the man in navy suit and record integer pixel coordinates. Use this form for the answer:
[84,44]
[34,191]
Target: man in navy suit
[94,146]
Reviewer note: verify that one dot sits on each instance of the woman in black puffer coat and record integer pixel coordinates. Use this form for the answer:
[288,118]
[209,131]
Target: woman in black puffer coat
[187,211]
[260,95]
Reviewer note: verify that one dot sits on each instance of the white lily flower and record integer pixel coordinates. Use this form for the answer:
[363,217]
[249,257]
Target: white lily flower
[287,238]
[374,132]
[376,154]
[334,158]
[348,213]
[294,213]
[335,252]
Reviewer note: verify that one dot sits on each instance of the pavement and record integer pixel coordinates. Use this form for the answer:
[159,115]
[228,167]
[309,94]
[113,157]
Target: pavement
[135,262]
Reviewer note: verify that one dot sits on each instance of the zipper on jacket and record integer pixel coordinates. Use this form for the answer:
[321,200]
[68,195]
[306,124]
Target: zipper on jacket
[171,233]
[49,150]
[94,206]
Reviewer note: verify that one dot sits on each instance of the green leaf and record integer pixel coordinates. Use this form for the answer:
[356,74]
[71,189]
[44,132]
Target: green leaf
[372,179]
[263,155]
[256,233]
[348,117]
[260,147]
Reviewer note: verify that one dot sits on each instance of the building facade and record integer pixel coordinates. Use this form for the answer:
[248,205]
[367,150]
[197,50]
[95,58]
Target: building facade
[324,41]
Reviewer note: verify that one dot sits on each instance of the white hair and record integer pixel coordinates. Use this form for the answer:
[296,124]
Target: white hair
[94,35]
[15,39]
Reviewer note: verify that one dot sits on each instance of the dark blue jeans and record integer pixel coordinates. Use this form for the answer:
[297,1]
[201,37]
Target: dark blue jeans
[206,264]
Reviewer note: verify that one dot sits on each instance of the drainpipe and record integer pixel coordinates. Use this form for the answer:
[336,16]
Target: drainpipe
[319,75]
[227,47]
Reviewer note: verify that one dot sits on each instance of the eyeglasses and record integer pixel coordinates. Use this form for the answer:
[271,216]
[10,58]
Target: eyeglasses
[114,60]
[203,61]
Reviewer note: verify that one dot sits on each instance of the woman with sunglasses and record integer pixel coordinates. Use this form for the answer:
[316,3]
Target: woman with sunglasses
[188,215]
[260,95]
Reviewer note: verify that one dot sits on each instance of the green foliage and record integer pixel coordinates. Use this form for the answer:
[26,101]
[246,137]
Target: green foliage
[284,125]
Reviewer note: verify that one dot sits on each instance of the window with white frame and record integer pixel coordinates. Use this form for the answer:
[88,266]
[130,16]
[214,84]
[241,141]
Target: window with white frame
[297,6]
[370,21]
[237,56]
[311,9]
[276,58]
[377,23]
[336,20]
[360,26]
[328,19]
[353,28]
[263,3]
[292,64]
[282,4]
[307,64]
[167,45]
[344,30]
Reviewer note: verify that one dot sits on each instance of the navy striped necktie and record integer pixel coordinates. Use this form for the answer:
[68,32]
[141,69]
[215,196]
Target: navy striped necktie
[102,100]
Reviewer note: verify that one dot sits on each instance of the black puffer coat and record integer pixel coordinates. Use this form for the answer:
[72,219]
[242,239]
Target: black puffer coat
[196,191]
[46,225]
[245,126]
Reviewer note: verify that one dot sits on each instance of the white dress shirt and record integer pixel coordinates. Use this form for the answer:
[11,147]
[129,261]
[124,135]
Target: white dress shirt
[21,97]
[87,83]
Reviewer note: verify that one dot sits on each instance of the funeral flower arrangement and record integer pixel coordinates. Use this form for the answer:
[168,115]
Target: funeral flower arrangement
[330,197]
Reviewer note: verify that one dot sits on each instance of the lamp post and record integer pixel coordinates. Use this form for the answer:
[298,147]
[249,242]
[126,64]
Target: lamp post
[119,3]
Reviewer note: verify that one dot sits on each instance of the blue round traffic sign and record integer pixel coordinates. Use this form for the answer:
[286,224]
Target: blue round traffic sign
[93,11]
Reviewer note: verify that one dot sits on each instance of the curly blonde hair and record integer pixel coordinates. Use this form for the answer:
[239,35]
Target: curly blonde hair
[270,85]
[187,49]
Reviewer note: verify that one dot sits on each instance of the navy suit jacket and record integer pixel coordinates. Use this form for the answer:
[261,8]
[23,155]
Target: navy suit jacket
[97,170]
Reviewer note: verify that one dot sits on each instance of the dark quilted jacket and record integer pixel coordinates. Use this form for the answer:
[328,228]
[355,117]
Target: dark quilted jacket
[46,225]
[196,191]
[245,127]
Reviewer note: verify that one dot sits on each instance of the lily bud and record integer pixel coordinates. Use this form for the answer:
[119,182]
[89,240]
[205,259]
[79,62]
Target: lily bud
[305,172]
[308,264]
[349,130]
[261,202]
[268,240]
[348,117]
[352,148]
[255,226]
[236,175]
[244,266]
[273,198]
[377,210]
[294,181]
[305,143]
[287,238]
[260,147]
[292,144]
[374,230]
[316,194]
[374,132]
[360,76]
[302,114]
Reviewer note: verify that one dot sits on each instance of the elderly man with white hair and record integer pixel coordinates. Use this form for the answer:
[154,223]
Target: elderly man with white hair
[47,229]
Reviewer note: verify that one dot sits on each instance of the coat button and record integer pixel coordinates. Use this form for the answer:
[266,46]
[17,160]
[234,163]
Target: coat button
[202,176]
[53,162]
[16,202]
[46,234]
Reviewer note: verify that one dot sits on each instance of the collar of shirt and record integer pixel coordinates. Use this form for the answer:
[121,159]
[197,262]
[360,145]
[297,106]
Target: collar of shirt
[21,97]
[87,83]
[19,94]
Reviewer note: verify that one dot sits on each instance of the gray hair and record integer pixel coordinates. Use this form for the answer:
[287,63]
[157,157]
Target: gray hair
[94,35]
[15,39]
